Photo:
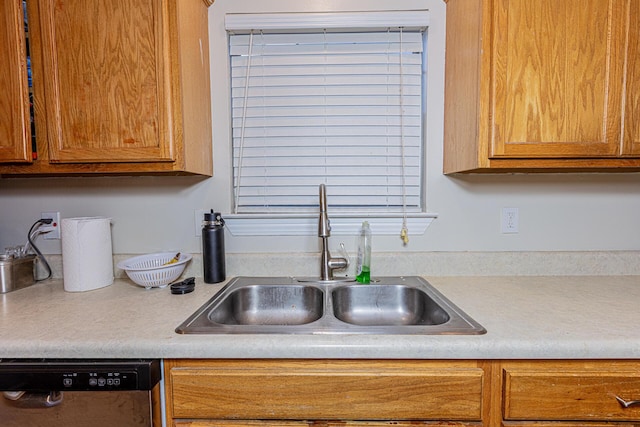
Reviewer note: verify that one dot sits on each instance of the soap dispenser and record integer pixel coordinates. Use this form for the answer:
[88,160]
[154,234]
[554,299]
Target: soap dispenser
[363,264]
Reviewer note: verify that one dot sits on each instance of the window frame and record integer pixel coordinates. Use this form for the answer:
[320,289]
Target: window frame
[343,223]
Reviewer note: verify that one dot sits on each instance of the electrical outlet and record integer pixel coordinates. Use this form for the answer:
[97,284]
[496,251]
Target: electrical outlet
[509,220]
[54,227]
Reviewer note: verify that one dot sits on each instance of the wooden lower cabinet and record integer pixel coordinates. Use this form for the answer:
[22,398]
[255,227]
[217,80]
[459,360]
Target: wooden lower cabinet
[567,424]
[270,423]
[324,392]
[213,423]
[402,393]
[575,392]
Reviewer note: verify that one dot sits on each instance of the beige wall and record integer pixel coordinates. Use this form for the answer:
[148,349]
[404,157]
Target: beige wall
[577,212]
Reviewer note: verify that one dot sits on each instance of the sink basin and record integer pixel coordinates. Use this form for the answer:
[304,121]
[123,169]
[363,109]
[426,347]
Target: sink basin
[386,305]
[288,305]
[269,305]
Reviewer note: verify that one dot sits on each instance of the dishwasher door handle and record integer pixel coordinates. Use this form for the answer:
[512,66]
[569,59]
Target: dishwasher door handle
[21,399]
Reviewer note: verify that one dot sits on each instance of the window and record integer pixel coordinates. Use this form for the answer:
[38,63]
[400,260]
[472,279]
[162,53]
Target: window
[328,98]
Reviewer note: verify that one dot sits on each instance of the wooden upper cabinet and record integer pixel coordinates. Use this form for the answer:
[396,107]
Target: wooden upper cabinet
[15,127]
[106,98]
[558,78]
[120,87]
[554,85]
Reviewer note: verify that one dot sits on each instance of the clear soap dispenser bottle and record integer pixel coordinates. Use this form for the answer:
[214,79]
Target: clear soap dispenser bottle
[363,264]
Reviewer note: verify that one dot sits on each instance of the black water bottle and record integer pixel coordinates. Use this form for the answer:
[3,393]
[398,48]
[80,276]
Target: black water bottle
[213,247]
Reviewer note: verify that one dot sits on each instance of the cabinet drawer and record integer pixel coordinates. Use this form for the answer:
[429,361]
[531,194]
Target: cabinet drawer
[215,423]
[362,390]
[315,423]
[571,391]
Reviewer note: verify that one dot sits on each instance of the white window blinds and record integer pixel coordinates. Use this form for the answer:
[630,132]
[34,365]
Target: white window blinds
[342,108]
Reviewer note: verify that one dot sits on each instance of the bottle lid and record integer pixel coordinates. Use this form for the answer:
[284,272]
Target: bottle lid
[213,217]
[184,287]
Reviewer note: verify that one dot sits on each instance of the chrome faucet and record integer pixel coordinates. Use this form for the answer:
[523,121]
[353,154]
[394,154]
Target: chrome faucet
[327,263]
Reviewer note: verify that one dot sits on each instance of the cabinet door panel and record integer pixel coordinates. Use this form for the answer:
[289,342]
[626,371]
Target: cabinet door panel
[105,96]
[225,423]
[632,94]
[564,424]
[558,77]
[332,390]
[568,394]
[15,127]
[273,423]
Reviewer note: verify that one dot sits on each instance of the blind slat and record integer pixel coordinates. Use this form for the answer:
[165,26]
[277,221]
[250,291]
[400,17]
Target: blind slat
[311,185]
[337,201]
[239,63]
[322,170]
[309,101]
[304,131]
[329,38]
[315,152]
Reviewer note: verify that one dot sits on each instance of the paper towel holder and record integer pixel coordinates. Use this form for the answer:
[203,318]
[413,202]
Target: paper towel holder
[87,254]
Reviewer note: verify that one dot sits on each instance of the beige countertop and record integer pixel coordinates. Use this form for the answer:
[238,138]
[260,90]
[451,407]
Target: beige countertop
[576,317]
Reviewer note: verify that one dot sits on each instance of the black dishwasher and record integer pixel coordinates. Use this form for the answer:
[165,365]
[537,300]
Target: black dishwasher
[80,392]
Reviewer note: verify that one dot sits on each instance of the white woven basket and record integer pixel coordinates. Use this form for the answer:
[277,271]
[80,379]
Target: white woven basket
[150,270]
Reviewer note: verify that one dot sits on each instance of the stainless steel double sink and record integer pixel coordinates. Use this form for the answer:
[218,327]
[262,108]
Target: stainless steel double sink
[288,305]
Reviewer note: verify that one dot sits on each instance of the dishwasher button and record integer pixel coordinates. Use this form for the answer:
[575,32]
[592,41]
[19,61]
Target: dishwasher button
[67,382]
[93,382]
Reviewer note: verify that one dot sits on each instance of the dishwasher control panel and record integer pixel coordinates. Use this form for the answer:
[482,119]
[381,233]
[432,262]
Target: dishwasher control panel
[107,380]
[78,375]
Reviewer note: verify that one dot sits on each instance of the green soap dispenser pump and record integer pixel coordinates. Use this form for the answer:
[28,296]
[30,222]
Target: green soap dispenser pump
[363,265]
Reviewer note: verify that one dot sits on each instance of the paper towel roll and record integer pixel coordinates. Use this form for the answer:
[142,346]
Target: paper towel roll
[87,256]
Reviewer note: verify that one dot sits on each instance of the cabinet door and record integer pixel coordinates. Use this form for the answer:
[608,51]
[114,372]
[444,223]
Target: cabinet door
[570,390]
[15,127]
[558,75]
[271,423]
[325,390]
[225,423]
[570,424]
[632,94]
[104,65]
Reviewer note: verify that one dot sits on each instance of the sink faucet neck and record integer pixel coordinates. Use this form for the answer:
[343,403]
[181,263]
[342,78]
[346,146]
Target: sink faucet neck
[324,226]
[327,263]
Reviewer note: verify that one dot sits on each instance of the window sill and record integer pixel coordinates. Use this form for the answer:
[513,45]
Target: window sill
[307,224]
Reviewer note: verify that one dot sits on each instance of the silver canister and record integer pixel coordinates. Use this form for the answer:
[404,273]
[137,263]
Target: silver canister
[16,272]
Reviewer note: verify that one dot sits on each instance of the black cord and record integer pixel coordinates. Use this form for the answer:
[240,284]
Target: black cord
[35,248]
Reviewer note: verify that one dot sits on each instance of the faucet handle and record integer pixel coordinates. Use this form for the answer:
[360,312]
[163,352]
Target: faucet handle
[338,263]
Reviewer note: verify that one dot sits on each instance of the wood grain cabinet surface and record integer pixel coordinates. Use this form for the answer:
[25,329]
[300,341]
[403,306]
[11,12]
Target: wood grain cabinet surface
[314,423]
[295,392]
[378,393]
[542,85]
[119,87]
[15,130]
[570,391]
